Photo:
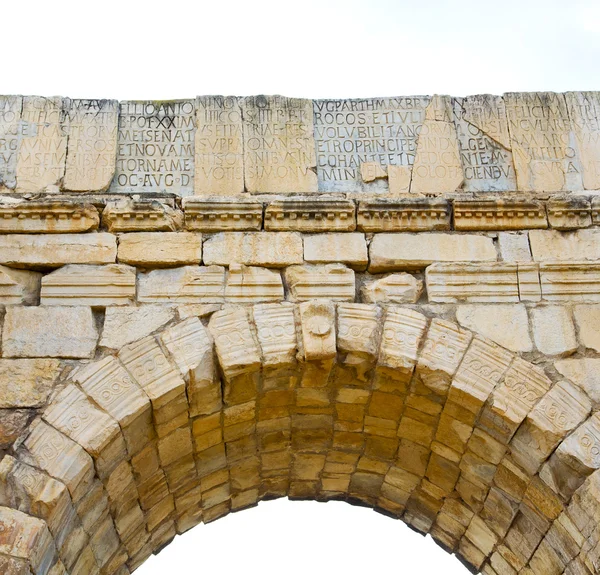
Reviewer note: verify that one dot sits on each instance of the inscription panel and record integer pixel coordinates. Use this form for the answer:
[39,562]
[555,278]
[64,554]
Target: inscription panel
[219,146]
[279,150]
[91,156]
[349,133]
[155,151]
[10,116]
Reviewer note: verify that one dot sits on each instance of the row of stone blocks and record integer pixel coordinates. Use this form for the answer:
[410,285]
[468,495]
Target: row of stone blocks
[54,215]
[415,417]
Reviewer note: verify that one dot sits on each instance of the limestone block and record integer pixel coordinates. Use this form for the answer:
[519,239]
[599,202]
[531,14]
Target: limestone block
[541,168]
[129,215]
[49,332]
[583,372]
[18,286]
[236,347]
[505,324]
[160,249]
[370,171]
[155,150]
[318,330]
[41,128]
[96,286]
[403,330]
[247,284]
[499,214]
[219,159]
[404,215]
[218,214]
[255,249]
[437,165]
[197,310]
[123,325]
[514,247]
[55,250]
[47,216]
[484,143]
[387,134]
[393,288]
[279,146]
[399,180]
[276,332]
[27,382]
[332,282]
[92,144]
[349,249]
[553,330]
[569,246]
[584,110]
[358,329]
[26,537]
[570,281]
[397,252]
[311,215]
[10,116]
[188,284]
[442,352]
[587,318]
[569,213]
[13,422]
[450,282]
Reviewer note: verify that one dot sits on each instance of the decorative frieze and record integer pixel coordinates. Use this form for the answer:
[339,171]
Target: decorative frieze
[333,282]
[570,281]
[127,215]
[569,213]
[222,214]
[513,214]
[47,217]
[404,215]
[311,215]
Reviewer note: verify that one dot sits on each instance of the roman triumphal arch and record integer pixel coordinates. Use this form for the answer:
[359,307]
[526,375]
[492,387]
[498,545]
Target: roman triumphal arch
[390,301]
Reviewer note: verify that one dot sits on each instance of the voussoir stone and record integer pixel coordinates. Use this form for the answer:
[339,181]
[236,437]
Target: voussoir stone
[583,372]
[27,382]
[556,245]
[160,249]
[390,252]
[505,324]
[55,250]
[271,249]
[349,249]
[123,325]
[553,330]
[49,331]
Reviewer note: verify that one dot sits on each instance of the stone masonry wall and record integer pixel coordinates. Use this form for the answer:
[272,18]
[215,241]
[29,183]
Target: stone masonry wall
[393,302]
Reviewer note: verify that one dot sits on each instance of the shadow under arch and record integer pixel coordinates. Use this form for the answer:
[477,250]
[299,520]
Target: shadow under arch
[380,406]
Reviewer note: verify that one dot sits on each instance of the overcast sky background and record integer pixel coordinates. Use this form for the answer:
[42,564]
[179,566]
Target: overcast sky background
[316,49]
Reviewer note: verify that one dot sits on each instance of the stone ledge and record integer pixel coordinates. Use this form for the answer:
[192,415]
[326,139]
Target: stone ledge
[222,214]
[311,215]
[49,216]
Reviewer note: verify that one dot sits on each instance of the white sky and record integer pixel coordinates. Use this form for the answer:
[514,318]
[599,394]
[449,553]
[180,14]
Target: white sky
[312,48]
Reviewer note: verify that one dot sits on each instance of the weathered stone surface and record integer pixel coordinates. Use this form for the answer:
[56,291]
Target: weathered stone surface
[55,250]
[310,215]
[155,151]
[499,214]
[96,286]
[276,332]
[569,213]
[587,318]
[188,284]
[349,249]
[404,215]
[554,245]
[49,332]
[264,249]
[127,215]
[349,133]
[391,252]
[318,330]
[251,284]
[10,115]
[484,143]
[540,167]
[505,324]
[19,286]
[27,382]
[334,282]
[514,247]
[394,288]
[219,159]
[123,325]
[13,422]
[92,144]
[584,372]
[564,281]
[160,249]
[218,214]
[41,128]
[553,330]
[437,167]
[279,148]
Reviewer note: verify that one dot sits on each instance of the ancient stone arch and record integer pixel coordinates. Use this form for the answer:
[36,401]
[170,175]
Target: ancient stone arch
[417,334]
